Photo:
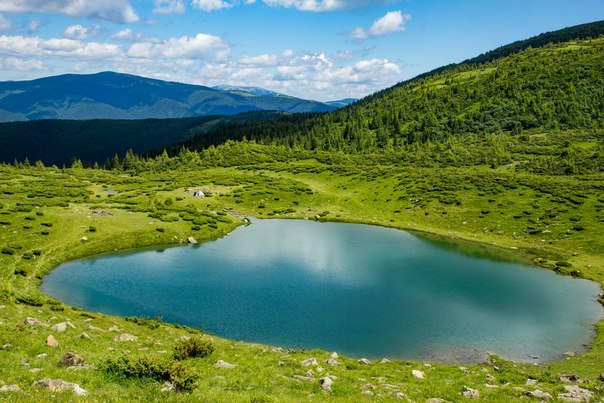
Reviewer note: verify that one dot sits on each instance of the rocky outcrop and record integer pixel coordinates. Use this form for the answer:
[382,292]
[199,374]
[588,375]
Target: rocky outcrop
[224,364]
[125,337]
[71,359]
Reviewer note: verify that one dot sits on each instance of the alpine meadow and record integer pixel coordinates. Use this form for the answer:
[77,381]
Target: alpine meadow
[502,154]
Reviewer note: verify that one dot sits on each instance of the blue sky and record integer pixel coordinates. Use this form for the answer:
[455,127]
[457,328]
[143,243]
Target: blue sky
[317,49]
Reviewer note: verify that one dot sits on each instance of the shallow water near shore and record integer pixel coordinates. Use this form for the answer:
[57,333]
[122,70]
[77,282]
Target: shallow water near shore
[361,290]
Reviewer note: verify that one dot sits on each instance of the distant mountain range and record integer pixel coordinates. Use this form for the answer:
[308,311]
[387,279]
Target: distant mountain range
[342,102]
[110,95]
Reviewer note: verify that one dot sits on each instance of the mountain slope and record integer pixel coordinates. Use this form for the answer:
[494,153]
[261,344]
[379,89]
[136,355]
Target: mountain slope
[557,85]
[111,95]
[59,141]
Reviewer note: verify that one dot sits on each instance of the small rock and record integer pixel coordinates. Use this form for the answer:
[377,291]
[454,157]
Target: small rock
[6,346]
[10,388]
[326,384]
[471,393]
[71,359]
[333,362]
[334,355]
[309,362]
[24,363]
[367,392]
[569,378]
[310,372]
[304,378]
[418,374]
[114,329]
[531,382]
[192,240]
[34,370]
[602,376]
[35,322]
[575,393]
[168,387]
[490,386]
[368,386]
[280,364]
[58,385]
[224,364]
[539,394]
[80,367]
[400,395]
[320,369]
[183,338]
[61,327]
[364,361]
[125,337]
[83,335]
[384,361]
[43,355]
[96,329]
[51,341]
[84,238]
[490,378]
[570,354]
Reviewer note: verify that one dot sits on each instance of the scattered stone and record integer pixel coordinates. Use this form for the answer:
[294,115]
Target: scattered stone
[182,338]
[575,393]
[6,346]
[10,388]
[490,386]
[192,240]
[364,361]
[51,341]
[71,359]
[24,363]
[464,370]
[569,378]
[304,378]
[224,364]
[96,329]
[58,385]
[368,386]
[400,395]
[280,364]
[471,393]
[539,394]
[389,386]
[602,376]
[80,367]
[367,392]
[570,354]
[168,387]
[490,378]
[43,355]
[385,361]
[309,362]
[418,374]
[333,362]
[125,337]
[61,327]
[334,355]
[114,329]
[531,382]
[84,238]
[326,384]
[35,322]
[34,370]
[83,335]
[310,372]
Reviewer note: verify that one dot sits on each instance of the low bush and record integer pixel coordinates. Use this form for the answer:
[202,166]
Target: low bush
[152,367]
[193,347]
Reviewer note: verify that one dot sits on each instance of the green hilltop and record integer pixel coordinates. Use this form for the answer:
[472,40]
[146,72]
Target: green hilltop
[502,155]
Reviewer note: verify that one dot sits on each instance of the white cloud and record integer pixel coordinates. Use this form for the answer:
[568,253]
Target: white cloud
[211,5]
[5,23]
[168,7]
[14,63]
[183,47]
[79,32]
[111,10]
[308,5]
[64,48]
[392,22]
[33,26]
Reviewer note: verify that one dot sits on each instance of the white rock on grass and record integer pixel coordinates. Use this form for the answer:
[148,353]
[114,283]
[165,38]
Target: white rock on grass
[539,394]
[114,329]
[471,393]
[58,385]
[224,364]
[576,393]
[51,341]
[364,361]
[332,362]
[334,355]
[125,337]
[309,362]
[61,327]
[326,384]
[418,374]
[10,388]
[35,322]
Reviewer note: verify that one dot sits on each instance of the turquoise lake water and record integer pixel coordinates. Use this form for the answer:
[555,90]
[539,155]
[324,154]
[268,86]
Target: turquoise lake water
[360,290]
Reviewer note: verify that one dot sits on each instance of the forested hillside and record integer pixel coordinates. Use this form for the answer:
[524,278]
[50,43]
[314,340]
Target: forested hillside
[554,87]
